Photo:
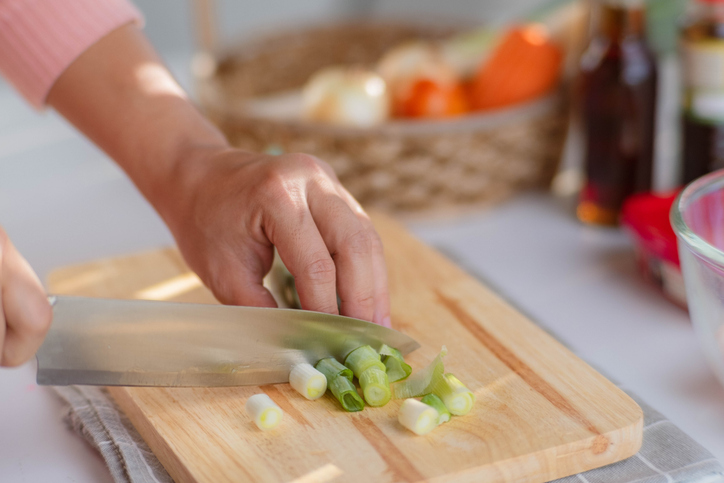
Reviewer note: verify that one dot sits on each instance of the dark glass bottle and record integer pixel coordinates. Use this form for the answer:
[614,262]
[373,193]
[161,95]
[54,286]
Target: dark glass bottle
[616,108]
[702,49]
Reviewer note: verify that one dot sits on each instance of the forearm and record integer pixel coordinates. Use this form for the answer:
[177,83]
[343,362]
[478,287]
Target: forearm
[120,95]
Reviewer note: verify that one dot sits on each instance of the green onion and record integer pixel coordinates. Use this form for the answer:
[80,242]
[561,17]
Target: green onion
[436,402]
[346,394]
[308,381]
[397,368]
[375,387]
[421,383]
[417,417]
[331,368]
[457,398]
[362,358]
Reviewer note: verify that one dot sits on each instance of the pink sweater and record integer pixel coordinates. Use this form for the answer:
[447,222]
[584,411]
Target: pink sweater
[39,39]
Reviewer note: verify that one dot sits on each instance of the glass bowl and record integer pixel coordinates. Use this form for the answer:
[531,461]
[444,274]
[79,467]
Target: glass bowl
[697,217]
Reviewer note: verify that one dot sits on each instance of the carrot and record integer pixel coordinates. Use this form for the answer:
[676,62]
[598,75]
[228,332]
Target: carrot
[427,98]
[525,65]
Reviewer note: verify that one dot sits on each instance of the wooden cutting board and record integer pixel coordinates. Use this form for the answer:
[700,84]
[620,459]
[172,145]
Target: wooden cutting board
[541,413]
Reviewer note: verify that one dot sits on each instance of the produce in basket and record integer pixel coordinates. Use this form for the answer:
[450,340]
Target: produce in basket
[525,65]
[346,96]
[421,81]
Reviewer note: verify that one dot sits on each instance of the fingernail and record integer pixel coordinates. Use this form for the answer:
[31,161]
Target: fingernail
[386,322]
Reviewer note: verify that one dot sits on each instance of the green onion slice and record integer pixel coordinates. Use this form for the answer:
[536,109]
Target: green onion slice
[331,368]
[457,398]
[375,387]
[346,394]
[362,358]
[397,368]
[436,402]
[421,382]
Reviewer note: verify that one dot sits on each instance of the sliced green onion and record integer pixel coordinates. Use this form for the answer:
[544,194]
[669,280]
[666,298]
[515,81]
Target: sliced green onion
[397,368]
[417,417]
[457,398]
[435,402]
[265,413]
[362,358]
[331,368]
[375,387]
[421,382]
[308,381]
[346,394]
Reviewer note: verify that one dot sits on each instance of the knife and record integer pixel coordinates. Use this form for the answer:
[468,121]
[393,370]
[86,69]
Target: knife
[147,343]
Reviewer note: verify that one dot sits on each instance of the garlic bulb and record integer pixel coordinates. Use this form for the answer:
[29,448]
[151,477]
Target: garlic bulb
[346,96]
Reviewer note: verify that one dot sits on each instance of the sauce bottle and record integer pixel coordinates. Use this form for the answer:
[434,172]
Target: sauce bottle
[616,110]
[702,63]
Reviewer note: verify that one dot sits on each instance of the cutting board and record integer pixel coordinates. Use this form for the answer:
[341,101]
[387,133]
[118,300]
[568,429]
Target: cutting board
[540,414]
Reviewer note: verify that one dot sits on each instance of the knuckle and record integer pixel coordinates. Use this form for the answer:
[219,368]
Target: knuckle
[365,299]
[358,242]
[376,243]
[321,270]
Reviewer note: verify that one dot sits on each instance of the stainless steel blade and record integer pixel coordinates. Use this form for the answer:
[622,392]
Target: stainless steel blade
[144,343]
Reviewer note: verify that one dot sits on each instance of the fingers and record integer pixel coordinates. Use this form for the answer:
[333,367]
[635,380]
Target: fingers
[350,244]
[25,307]
[248,266]
[379,267]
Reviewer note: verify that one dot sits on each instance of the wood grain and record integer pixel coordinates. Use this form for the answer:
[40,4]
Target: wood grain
[541,413]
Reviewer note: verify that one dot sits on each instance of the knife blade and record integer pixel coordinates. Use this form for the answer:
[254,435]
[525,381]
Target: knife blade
[113,342]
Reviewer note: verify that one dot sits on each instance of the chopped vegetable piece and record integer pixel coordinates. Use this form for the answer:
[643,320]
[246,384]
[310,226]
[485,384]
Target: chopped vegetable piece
[375,387]
[417,417]
[308,381]
[421,383]
[397,368]
[265,413]
[346,394]
[362,358]
[435,402]
[458,398]
[331,368]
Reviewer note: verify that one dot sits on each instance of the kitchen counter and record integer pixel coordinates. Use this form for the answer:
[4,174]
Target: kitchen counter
[63,201]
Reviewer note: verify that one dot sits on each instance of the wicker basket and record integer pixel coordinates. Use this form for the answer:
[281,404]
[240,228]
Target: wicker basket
[399,166]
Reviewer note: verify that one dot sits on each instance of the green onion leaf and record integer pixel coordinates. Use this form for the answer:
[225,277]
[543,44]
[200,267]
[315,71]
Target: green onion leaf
[457,398]
[397,368]
[421,382]
[331,368]
[346,394]
[375,387]
[362,358]
[436,402]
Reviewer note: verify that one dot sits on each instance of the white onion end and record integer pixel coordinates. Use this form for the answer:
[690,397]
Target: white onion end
[263,411]
[417,416]
[308,381]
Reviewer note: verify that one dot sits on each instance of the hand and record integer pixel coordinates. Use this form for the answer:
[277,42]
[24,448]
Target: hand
[25,313]
[226,208]
[231,208]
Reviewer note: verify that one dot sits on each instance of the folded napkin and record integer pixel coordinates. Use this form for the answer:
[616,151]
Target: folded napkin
[668,455]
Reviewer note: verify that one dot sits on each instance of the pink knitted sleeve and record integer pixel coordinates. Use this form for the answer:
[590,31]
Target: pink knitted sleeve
[39,39]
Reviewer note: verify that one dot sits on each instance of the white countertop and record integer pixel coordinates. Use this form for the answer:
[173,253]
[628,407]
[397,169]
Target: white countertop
[62,201]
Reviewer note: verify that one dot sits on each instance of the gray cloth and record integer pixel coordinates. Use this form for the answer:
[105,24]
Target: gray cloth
[93,414]
[668,455]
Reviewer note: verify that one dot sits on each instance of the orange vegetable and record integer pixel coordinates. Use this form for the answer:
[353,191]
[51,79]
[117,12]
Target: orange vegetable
[426,98]
[525,65]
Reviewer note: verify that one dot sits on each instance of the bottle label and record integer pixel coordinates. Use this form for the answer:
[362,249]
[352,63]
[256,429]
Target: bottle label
[703,69]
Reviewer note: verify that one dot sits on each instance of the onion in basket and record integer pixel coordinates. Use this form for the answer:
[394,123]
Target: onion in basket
[346,96]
